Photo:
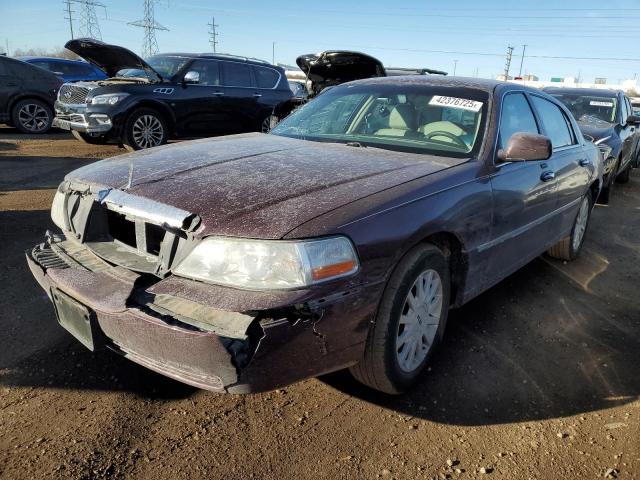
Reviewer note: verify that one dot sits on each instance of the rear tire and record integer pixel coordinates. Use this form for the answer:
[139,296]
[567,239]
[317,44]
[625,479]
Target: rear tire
[32,116]
[145,128]
[88,138]
[421,279]
[569,248]
[268,123]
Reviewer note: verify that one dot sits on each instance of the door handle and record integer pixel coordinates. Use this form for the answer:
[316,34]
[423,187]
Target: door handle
[584,162]
[548,175]
[218,94]
[257,95]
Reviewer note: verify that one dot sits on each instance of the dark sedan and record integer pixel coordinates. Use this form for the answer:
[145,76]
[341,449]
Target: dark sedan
[607,117]
[341,239]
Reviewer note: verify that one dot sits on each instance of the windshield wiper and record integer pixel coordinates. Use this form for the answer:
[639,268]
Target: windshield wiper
[355,144]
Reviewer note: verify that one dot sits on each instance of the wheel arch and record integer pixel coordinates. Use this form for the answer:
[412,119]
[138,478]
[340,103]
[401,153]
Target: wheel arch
[26,96]
[161,108]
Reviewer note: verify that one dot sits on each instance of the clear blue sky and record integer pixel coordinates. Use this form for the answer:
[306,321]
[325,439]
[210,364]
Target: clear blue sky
[400,33]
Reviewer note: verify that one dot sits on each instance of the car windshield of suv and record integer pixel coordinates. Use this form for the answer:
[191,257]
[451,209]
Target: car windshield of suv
[435,120]
[590,108]
[165,65]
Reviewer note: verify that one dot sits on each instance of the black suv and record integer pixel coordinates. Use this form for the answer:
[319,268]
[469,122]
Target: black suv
[144,103]
[27,94]
[606,117]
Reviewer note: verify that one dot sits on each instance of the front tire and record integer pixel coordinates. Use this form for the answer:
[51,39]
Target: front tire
[32,116]
[409,324]
[624,175]
[88,138]
[145,128]
[568,248]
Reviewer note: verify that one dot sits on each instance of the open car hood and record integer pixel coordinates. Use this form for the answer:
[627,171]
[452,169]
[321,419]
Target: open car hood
[109,58]
[335,67]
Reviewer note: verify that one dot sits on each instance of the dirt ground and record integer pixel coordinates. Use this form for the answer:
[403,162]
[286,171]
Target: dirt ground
[538,378]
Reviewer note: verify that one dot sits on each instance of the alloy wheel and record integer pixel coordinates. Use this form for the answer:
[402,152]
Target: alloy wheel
[419,321]
[33,117]
[268,123]
[147,131]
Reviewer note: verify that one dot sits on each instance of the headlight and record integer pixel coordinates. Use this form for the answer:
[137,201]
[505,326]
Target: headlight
[107,99]
[57,210]
[269,264]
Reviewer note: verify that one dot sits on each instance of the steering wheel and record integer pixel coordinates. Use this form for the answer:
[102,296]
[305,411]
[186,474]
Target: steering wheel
[451,136]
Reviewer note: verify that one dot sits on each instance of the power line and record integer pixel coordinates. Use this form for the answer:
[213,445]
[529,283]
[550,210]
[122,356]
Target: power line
[213,34]
[149,24]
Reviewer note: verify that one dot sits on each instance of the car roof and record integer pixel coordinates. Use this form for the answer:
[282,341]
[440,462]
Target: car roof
[486,85]
[595,92]
[219,56]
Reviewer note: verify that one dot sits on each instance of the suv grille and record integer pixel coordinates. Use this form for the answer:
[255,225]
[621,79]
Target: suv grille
[73,94]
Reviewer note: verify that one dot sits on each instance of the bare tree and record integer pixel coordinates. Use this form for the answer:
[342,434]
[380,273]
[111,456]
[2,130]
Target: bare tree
[57,52]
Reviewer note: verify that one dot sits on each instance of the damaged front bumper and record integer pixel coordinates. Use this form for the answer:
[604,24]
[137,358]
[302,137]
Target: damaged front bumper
[211,337]
[76,117]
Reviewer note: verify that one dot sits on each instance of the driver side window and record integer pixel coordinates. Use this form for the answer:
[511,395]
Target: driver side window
[516,117]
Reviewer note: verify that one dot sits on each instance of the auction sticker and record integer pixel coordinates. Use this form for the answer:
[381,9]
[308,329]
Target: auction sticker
[453,102]
[595,103]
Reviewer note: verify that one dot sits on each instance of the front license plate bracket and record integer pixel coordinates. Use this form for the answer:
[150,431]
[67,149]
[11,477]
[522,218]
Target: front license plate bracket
[79,320]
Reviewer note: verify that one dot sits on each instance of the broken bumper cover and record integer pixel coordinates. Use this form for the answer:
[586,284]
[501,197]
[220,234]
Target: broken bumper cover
[76,117]
[279,348]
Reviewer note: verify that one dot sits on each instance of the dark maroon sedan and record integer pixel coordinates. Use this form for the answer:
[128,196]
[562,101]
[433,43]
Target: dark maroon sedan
[341,239]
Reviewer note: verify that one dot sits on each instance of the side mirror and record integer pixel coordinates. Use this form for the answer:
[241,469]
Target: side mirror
[526,146]
[191,77]
[633,119]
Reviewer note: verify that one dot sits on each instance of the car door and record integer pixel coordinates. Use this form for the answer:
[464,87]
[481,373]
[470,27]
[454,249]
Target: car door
[240,101]
[572,167]
[198,106]
[524,197]
[627,132]
[267,79]
[9,85]
[634,140]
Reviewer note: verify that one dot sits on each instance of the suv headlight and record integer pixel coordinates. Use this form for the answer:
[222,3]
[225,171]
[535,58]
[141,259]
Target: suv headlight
[107,99]
[269,264]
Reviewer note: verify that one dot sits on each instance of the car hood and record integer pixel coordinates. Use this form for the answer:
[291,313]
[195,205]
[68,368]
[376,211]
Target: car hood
[597,130]
[257,185]
[109,58]
[334,67]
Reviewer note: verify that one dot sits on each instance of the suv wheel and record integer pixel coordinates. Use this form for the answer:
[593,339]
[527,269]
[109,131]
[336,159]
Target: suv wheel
[409,324]
[268,123]
[569,248]
[145,128]
[624,175]
[32,116]
[88,138]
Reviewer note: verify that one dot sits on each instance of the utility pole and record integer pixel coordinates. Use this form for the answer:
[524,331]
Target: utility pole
[213,34]
[476,73]
[455,67]
[6,40]
[524,49]
[69,16]
[507,64]
[149,24]
[273,53]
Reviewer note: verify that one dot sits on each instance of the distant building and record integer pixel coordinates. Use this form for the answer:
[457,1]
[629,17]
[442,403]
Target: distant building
[600,81]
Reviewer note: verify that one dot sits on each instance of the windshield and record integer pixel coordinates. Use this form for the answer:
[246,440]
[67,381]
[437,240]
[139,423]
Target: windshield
[436,120]
[165,65]
[590,108]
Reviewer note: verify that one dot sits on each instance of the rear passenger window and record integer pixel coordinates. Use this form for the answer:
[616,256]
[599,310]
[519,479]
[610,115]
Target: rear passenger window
[266,77]
[555,124]
[516,117]
[236,75]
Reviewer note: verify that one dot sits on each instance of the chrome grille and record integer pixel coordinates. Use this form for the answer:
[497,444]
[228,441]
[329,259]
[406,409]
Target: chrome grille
[47,258]
[73,94]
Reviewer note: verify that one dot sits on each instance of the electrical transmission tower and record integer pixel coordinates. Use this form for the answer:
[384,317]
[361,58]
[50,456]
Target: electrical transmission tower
[149,44]
[89,26]
[507,65]
[213,34]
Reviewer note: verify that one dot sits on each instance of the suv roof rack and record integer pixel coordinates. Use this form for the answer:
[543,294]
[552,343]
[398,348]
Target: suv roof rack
[235,57]
[413,71]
